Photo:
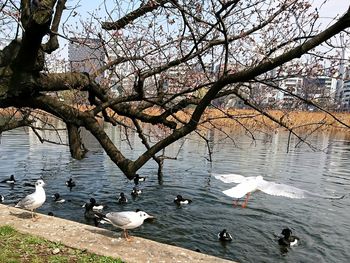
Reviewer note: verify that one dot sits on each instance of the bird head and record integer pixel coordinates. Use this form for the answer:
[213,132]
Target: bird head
[144,215]
[179,197]
[92,200]
[286,232]
[39,183]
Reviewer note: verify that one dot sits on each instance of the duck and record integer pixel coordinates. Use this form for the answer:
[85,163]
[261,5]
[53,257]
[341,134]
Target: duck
[2,198]
[179,200]
[224,236]
[10,180]
[138,179]
[122,199]
[248,185]
[89,213]
[126,220]
[34,200]
[287,240]
[58,199]
[95,206]
[136,192]
[70,183]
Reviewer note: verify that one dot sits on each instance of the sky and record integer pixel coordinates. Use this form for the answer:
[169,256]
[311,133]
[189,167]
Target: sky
[328,10]
[331,8]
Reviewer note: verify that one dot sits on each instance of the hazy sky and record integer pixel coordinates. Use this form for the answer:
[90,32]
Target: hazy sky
[328,10]
[331,8]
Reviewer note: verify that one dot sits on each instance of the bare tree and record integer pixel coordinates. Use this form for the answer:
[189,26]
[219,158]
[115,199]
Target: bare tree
[156,58]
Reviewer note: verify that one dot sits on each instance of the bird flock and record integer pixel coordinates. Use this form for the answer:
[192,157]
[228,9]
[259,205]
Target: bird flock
[124,220]
[127,220]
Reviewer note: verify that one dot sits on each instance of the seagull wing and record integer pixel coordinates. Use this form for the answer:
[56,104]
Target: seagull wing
[241,189]
[276,189]
[119,219]
[27,202]
[230,178]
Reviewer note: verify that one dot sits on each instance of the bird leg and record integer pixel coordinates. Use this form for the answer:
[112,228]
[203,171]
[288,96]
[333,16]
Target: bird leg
[244,205]
[126,236]
[34,216]
[235,203]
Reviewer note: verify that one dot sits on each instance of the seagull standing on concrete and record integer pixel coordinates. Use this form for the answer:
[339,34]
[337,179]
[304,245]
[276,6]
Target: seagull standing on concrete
[34,200]
[247,185]
[126,220]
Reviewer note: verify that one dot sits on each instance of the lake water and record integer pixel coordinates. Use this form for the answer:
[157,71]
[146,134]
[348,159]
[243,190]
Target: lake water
[321,224]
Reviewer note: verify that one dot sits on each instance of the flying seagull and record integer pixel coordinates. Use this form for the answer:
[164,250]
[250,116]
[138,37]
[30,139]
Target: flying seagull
[247,185]
[126,220]
[34,200]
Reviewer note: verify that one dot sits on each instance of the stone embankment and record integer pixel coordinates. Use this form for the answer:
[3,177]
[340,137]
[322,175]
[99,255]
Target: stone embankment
[98,240]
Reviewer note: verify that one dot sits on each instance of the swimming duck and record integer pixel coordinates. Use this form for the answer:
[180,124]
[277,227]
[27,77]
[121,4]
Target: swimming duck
[248,185]
[95,206]
[58,199]
[34,200]
[122,199]
[135,192]
[89,213]
[126,220]
[179,200]
[10,180]
[287,240]
[224,236]
[70,183]
[138,179]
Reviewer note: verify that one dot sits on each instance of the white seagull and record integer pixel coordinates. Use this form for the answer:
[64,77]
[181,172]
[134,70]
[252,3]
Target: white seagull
[247,185]
[34,200]
[126,220]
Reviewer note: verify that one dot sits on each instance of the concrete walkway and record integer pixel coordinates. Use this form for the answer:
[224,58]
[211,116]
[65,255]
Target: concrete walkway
[98,240]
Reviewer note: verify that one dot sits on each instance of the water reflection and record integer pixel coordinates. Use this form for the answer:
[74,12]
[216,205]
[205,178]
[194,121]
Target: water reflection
[321,224]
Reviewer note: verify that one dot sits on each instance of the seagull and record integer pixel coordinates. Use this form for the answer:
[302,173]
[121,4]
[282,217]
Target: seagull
[138,179]
[58,198]
[34,200]
[10,180]
[287,240]
[224,236]
[126,220]
[179,200]
[247,185]
[122,199]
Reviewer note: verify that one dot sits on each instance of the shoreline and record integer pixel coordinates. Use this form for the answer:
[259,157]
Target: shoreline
[98,240]
[241,119]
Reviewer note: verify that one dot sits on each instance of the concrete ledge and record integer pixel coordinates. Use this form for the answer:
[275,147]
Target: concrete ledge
[98,240]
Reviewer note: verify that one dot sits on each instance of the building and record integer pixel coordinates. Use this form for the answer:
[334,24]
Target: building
[345,98]
[289,86]
[86,55]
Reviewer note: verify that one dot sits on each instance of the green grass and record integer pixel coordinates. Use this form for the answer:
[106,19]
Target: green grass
[16,248]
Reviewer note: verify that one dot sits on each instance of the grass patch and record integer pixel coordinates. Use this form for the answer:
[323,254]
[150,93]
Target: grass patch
[16,247]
